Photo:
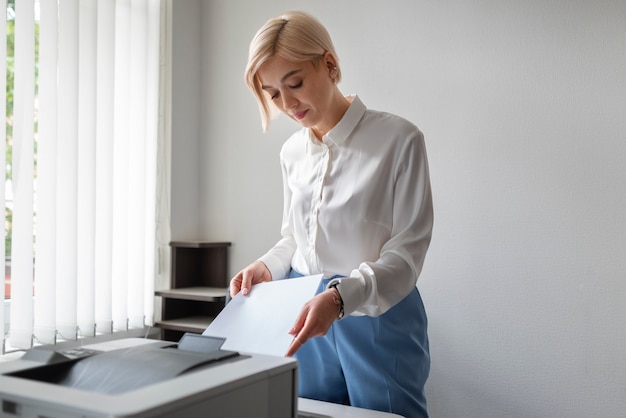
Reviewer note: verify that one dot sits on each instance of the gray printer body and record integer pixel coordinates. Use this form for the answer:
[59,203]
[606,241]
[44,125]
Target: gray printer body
[147,378]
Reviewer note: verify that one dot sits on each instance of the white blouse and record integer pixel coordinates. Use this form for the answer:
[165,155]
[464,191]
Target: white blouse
[357,205]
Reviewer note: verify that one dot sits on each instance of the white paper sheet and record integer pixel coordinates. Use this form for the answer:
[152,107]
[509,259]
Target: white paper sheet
[259,323]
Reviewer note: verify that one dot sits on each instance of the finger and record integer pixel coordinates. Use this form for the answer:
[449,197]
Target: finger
[246,283]
[235,285]
[295,345]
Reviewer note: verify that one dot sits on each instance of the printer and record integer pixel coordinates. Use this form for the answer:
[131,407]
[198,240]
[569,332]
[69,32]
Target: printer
[137,377]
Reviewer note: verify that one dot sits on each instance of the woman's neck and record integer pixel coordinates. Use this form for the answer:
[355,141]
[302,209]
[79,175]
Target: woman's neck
[337,110]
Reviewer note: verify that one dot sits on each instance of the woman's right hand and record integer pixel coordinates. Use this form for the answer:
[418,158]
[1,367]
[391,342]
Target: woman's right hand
[243,281]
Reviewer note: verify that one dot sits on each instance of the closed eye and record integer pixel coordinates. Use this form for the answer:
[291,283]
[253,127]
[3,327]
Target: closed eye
[276,95]
[297,85]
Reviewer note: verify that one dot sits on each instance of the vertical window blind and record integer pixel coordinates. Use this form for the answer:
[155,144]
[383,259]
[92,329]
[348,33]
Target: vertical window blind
[85,128]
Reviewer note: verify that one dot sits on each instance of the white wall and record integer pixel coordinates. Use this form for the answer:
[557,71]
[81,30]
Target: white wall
[523,105]
[186,116]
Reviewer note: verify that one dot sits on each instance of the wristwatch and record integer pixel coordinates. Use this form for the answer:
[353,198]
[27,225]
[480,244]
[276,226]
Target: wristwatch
[337,299]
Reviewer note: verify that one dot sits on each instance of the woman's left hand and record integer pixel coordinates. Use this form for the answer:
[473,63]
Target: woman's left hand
[314,320]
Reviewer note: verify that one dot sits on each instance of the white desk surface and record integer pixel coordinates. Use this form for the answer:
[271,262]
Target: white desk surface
[308,408]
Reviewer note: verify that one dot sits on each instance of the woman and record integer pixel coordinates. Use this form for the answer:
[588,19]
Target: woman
[358,209]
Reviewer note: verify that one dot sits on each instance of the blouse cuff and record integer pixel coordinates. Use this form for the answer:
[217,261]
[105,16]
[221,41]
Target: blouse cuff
[351,290]
[275,266]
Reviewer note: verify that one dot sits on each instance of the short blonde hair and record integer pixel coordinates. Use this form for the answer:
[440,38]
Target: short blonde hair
[296,36]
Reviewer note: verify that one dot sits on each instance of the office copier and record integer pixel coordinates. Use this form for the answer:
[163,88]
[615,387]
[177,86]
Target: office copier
[137,377]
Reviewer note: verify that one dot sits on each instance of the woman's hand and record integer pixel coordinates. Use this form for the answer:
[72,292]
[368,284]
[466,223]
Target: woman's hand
[314,320]
[243,281]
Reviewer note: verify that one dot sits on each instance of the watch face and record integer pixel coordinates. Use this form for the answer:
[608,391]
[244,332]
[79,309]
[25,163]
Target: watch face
[337,300]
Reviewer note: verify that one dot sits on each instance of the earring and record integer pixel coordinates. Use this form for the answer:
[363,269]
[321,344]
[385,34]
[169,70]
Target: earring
[333,75]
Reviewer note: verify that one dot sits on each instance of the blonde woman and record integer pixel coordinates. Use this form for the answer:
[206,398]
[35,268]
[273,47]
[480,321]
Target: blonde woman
[358,209]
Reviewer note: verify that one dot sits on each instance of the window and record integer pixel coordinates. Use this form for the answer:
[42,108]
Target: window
[81,145]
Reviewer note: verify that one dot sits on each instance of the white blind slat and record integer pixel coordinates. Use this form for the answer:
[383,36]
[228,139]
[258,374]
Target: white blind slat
[105,55]
[136,162]
[121,139]
[86,167]
[21,327]
[45,259]
[67,170]
[152,120]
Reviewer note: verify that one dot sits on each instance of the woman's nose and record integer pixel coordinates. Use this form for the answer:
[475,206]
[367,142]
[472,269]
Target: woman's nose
[289,101]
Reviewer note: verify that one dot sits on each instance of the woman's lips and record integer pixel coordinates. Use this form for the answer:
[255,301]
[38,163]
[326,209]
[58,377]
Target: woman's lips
[300,115]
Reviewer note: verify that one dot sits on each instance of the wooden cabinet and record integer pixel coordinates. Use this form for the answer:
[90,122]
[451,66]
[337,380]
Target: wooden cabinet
[197,292]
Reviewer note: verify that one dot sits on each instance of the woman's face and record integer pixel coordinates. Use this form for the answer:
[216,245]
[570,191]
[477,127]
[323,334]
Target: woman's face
[306,94]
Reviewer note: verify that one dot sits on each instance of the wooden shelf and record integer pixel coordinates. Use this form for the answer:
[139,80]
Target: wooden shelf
[200,293]
[197,289]
[195,324]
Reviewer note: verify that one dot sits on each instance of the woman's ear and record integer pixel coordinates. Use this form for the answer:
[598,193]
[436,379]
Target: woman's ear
[330,63]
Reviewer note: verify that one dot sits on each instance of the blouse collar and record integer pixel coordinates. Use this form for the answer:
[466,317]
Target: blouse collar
[342,130]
